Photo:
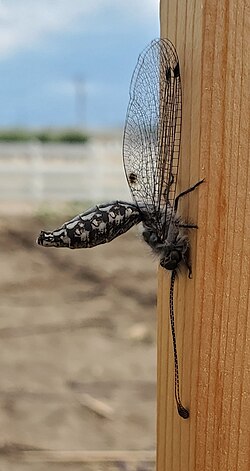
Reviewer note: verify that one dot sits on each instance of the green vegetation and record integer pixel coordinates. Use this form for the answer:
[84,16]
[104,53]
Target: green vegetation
[24,135]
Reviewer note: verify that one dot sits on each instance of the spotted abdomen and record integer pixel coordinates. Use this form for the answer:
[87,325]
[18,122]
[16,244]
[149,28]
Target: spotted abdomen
[96,226]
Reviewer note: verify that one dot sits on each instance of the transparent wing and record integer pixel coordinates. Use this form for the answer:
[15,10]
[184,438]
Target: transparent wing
[151,143]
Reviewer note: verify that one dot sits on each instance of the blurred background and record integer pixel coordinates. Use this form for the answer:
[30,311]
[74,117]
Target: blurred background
[77,328]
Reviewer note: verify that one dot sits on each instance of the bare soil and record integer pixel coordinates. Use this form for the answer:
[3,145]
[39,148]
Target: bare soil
[78,353]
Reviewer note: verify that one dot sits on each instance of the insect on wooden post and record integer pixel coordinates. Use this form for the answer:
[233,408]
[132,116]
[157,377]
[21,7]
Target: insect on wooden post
[151,149]
[151,159]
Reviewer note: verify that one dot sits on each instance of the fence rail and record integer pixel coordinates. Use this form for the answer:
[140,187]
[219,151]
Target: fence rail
[62,172]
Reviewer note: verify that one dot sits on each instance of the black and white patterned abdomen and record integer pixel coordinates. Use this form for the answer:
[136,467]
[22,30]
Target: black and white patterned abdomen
[96,226]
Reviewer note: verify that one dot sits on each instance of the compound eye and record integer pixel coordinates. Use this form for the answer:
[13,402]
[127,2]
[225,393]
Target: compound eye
[168,264]
[172,261]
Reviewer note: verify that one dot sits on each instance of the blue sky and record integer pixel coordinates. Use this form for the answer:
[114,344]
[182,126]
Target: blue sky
[51,48]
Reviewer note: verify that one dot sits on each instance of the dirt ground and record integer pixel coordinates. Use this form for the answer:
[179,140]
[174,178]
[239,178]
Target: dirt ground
[78,351]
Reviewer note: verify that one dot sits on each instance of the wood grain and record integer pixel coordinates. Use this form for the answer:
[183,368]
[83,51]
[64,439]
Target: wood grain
[212,309]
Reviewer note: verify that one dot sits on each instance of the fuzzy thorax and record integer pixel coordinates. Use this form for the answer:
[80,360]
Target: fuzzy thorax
[171,251]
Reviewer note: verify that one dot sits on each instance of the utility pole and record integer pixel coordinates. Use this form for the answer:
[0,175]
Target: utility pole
[80,102]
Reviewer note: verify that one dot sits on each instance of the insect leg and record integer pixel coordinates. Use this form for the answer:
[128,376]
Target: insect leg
[183,193]
[186,259]
[188,265]
[189,226]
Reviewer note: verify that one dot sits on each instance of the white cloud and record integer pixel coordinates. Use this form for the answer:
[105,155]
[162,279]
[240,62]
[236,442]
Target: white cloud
[25,23]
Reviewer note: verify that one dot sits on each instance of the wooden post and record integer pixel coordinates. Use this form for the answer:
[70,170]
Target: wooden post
[211,310]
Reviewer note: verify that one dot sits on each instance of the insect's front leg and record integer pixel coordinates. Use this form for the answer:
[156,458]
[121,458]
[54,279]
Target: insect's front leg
[183,193]
[188,225]
[186,260]
[182,244]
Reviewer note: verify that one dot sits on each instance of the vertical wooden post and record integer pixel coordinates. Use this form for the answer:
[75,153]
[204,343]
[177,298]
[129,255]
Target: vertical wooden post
[212,40]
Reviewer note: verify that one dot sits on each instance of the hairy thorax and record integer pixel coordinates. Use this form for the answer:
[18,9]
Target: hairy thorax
[172,247]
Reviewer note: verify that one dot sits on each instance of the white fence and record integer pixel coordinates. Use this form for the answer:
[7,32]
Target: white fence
[63,172]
